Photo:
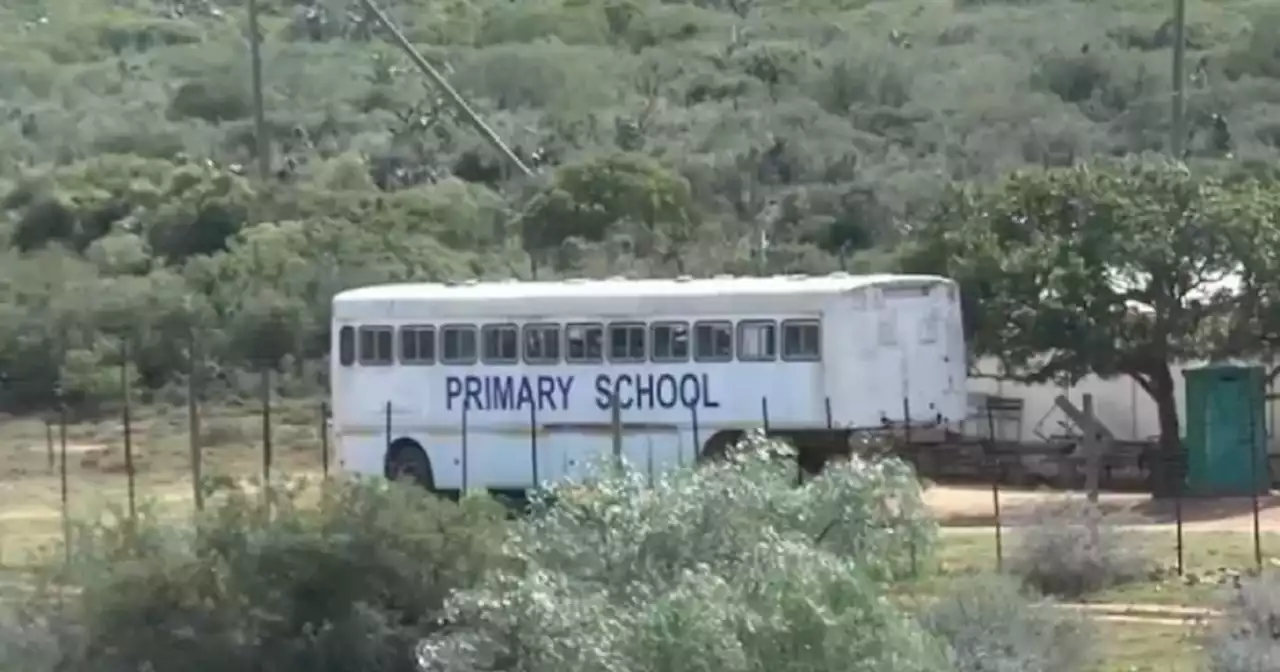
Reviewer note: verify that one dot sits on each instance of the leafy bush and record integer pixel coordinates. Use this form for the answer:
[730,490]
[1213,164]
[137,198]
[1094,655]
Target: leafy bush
[348,582]
[1248,637]
[1073,548]
[728,566]
[990,623]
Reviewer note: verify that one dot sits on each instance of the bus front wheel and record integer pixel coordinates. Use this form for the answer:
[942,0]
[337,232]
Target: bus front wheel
[407,462]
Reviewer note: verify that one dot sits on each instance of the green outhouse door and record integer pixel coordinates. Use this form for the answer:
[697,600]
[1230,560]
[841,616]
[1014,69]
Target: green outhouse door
[1226,429]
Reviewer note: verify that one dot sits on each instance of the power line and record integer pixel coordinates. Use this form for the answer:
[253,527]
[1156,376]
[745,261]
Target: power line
[449,91]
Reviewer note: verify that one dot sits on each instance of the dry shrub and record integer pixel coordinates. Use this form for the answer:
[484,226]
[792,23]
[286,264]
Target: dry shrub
[1073,548]
[991,623]
[1247,639]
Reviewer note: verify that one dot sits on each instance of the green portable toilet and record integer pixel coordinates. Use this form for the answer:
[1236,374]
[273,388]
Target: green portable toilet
[1226,429]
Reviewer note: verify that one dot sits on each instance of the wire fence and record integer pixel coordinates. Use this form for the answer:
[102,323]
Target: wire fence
[67,465]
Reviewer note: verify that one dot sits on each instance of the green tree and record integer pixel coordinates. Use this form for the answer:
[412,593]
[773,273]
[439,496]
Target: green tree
[1109,269]
[621,193]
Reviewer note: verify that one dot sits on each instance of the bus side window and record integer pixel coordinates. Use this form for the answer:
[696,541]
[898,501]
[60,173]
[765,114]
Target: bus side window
[626,342]
[757,340]
[801,341]
[376,346]
[458,344]
[347,346]
[500,344]
[417,345]
[713,341]
[670,341]
[542,343]
[584,343]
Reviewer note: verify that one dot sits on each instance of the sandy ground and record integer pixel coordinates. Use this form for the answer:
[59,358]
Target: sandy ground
[974,506]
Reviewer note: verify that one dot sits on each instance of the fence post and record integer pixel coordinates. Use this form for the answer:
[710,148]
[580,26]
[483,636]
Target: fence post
[827,404]
[533,441]
[1179,484]
[1253,487]
[906,420]
[48,443]
[127,420]
[615,430]
[193,426]
[764,413]
[266,430]
[465,448]
[324,438]
[697,440]
[995,488]
[387,421]
[62,440]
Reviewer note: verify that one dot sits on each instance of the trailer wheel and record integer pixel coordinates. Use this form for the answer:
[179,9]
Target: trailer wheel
[408,462]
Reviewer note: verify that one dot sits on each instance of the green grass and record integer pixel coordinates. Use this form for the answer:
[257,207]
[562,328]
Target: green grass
[1149,647]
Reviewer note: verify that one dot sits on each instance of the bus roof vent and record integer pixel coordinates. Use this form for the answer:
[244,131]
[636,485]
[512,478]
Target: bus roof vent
[724,276]
[471,282]
[575,281]
[797,276]
[838,274]
[684,278]
[618,278]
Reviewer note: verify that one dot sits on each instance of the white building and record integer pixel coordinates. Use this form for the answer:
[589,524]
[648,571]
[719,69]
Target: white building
[1118,402]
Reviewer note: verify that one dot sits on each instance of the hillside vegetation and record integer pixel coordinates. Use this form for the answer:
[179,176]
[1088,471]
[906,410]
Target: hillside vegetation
[665,136]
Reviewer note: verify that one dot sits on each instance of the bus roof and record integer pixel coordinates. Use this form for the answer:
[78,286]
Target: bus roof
[514,297]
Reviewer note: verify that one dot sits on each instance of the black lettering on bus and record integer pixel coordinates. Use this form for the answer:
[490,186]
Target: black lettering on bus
[667,393]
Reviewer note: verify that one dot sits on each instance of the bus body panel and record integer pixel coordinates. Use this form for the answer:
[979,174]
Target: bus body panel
[883,339]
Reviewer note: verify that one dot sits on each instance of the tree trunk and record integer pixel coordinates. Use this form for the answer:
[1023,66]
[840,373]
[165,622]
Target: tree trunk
[1166,468]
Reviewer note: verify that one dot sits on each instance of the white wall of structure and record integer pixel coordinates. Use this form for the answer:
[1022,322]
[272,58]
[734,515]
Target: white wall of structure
[1119,402]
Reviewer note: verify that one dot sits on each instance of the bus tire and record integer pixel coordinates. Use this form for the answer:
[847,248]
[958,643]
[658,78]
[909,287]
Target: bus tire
[718,444]
[407,461]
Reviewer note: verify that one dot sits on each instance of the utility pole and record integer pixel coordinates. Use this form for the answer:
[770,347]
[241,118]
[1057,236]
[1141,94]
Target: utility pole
[449,92]
[1177,142]
[262,145]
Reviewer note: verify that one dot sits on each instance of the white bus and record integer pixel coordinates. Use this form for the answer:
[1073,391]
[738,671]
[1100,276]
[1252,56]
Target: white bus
[506,385]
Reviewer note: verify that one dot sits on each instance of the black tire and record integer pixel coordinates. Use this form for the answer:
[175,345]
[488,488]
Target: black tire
[409,463]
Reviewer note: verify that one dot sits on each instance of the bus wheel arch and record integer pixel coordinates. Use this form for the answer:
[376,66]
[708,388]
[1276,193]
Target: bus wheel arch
[717,445]
[407,460]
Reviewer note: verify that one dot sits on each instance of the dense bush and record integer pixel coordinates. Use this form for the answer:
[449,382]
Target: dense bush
[1073,548]
[993,624]
[665,136]
[729,567]
[1248,637]
[350,581]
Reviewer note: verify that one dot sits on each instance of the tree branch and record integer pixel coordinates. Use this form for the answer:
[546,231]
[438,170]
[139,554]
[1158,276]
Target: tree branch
[825,531]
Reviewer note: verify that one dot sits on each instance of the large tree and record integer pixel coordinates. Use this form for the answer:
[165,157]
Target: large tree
[1110,269]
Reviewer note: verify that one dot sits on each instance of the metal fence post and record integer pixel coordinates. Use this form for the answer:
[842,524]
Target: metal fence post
[697,439]
[995,488]
[266,429]
[62,440]
[615,430]
[193,426]
[533,441]
[126,420]
[324,438]
[465,447]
